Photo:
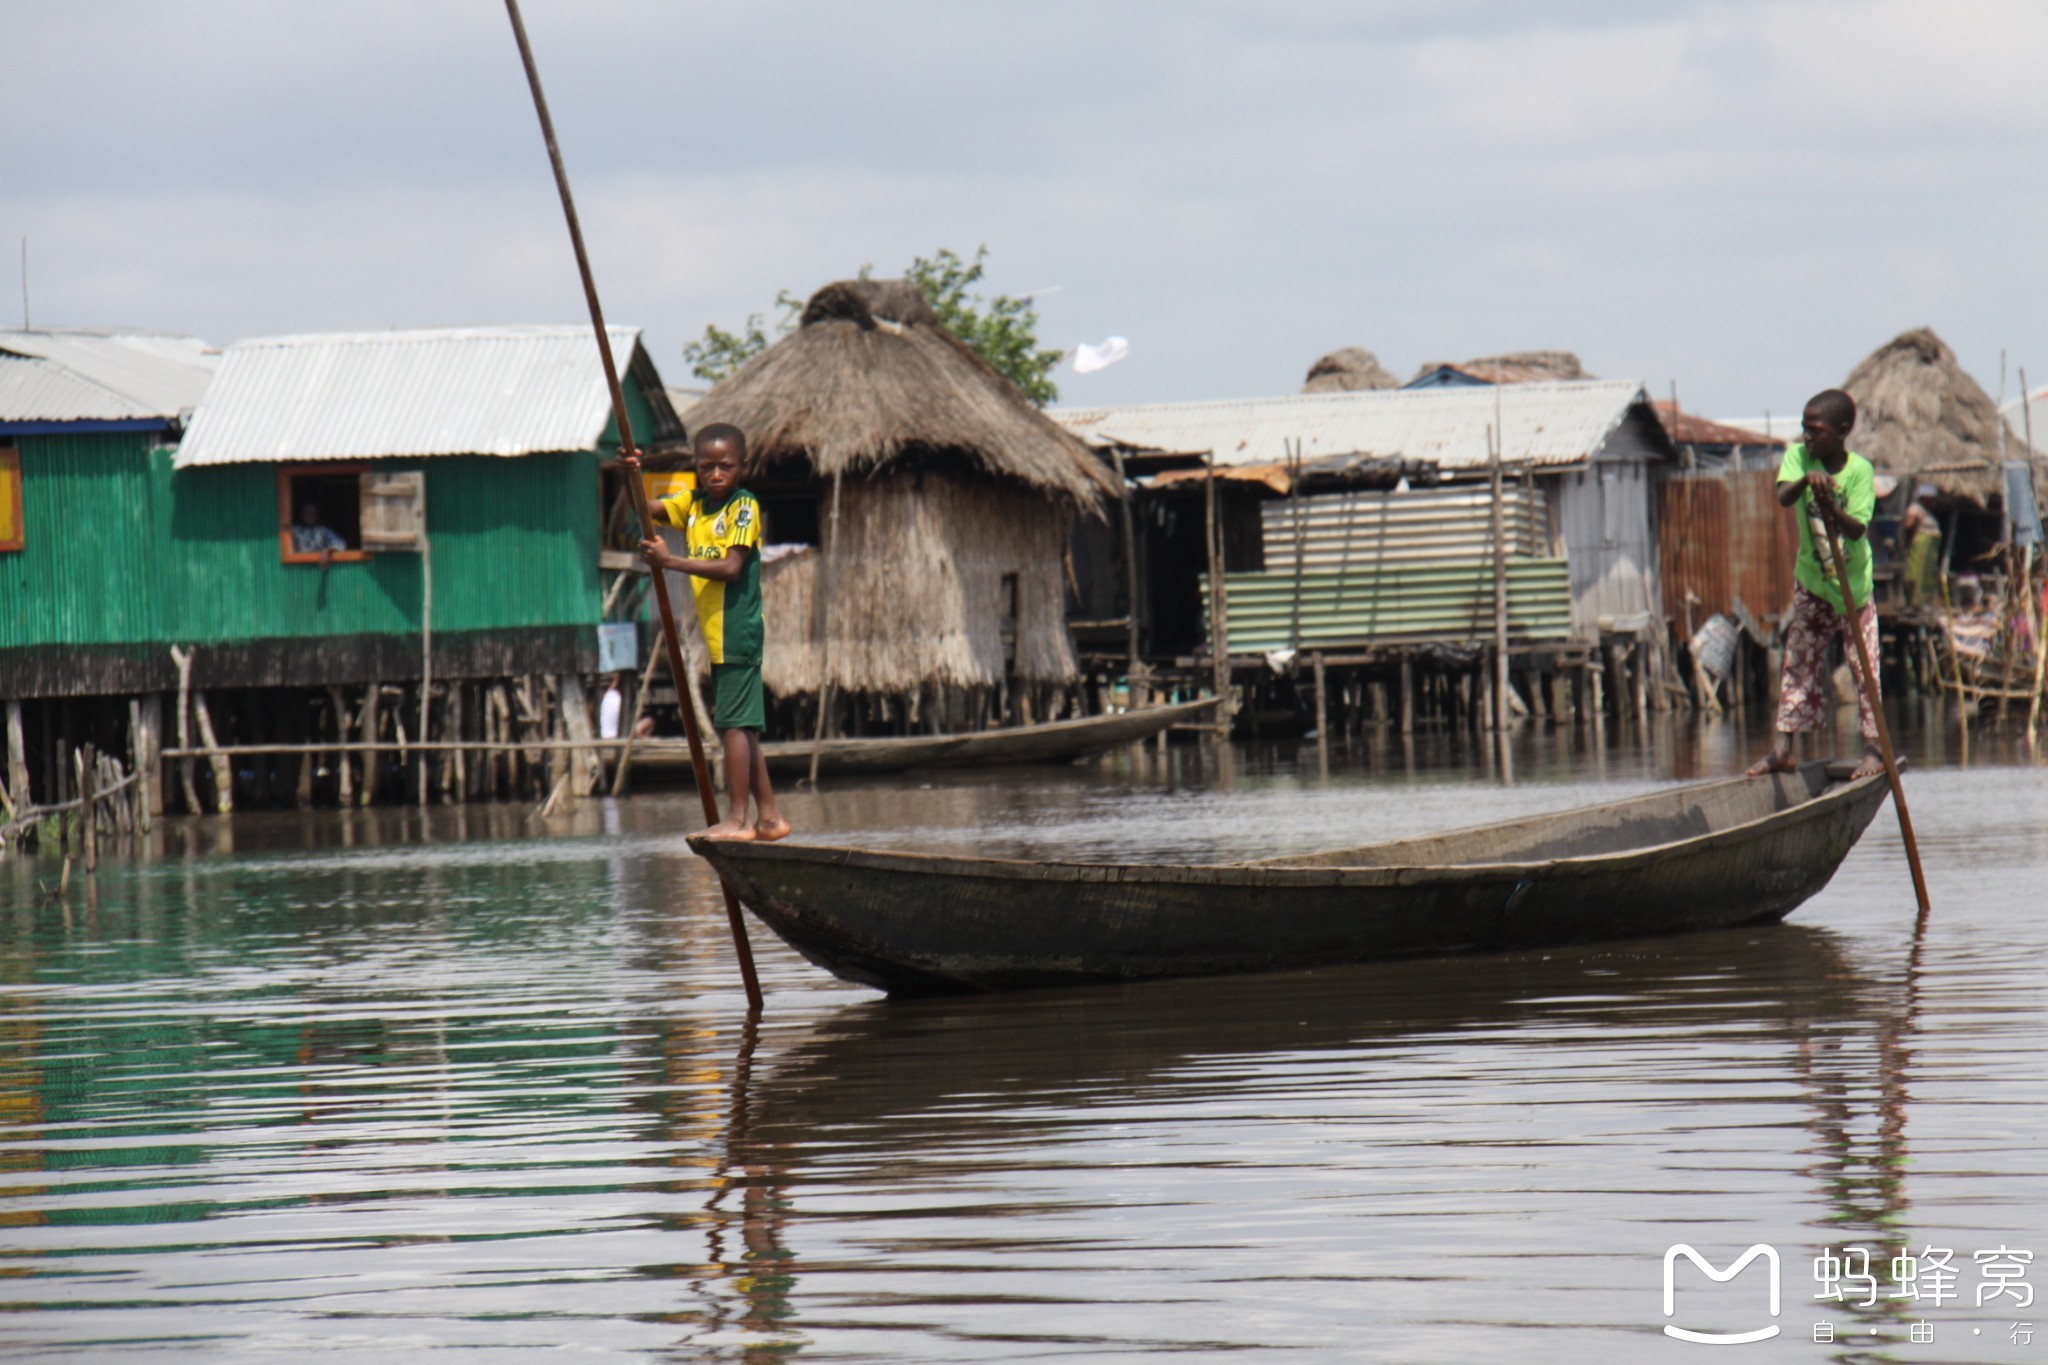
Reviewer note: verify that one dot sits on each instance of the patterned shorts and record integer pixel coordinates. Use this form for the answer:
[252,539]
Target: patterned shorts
[1804,698]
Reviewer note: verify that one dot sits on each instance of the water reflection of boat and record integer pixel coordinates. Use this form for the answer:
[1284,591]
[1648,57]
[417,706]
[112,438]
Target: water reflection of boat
[1049,742]
[966,1063]
[1704,856]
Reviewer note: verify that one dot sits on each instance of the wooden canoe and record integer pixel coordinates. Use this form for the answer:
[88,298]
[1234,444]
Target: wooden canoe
[1705,856]
[1056,741]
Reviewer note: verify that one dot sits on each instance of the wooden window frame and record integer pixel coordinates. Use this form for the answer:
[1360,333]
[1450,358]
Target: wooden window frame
[285,475]
[10,476]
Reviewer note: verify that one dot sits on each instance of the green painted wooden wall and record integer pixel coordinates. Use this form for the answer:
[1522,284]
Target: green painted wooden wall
[120,549]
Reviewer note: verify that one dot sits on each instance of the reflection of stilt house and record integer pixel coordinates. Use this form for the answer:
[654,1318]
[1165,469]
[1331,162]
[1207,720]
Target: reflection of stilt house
[457,473]
[939,502]
[1375,519]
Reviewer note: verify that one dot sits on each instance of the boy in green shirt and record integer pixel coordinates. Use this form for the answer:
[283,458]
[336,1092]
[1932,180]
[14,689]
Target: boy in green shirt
[721,524]
[1831,485]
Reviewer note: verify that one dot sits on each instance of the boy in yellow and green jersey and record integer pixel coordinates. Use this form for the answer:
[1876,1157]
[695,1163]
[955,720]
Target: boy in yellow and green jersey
[1830,484]
[721,525]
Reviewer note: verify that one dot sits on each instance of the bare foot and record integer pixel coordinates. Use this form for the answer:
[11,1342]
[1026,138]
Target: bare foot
[1772,762]
[728,831]
[768,831]
[1871,766]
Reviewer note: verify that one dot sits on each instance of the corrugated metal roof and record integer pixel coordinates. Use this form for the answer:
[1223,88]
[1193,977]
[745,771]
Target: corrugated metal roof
[1560,423]
[369,395]
[81,375]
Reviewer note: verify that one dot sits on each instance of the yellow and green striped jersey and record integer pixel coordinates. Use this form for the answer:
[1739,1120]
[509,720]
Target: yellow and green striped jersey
[730,613]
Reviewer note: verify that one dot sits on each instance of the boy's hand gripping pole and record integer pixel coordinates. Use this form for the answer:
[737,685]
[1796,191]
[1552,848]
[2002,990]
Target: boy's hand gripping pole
[676,669]
[1867,677]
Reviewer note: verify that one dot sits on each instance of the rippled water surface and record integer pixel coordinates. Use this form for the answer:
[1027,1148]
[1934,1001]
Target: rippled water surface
[377,1088]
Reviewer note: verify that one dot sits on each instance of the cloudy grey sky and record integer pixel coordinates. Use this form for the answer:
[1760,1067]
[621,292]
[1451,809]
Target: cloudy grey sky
[1744,196]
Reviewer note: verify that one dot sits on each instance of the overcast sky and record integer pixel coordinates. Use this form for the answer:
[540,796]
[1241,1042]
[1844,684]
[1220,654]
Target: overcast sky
[1743,197]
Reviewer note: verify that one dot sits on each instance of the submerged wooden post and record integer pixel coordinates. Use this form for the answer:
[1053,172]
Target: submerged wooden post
[1219,606]
[1407,693]
[1499,717]
[88,761]
[654,658]
[1116,456]
[821,607]
[17,757]
[1322,716]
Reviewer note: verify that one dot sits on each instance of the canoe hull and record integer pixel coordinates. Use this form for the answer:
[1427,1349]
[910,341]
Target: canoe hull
[1051,742]
[913,924]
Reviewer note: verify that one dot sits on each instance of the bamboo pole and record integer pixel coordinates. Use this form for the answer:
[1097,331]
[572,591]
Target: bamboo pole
[1219,606]
[87,761]
[654,659]
[823,608]
[1123,484]
[741,948]
[426,648]
[1498,479]
[17,757]
[1868,679]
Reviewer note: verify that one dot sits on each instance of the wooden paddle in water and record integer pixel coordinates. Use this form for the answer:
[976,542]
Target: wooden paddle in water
[1867,679]
[676,670]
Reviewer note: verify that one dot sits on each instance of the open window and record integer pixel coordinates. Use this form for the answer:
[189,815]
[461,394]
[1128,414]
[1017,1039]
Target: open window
[11,516]
[320,508]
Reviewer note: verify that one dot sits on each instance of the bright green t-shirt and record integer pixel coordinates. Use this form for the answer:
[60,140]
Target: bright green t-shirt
[1856,491]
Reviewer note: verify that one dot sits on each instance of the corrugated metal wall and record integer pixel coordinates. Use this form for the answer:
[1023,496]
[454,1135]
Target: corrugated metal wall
[1452,525]
[1604,513]
[120,550]
[514,544]
[89,571]
[1726,540]
[1443,603]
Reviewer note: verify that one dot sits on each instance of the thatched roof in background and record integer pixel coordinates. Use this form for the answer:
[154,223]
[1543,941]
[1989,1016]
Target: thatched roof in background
[1349,370]
[1920,416]
[870,376]
[1516,367]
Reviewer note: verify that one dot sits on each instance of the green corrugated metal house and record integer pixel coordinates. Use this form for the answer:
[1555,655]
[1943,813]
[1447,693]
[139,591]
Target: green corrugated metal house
[84,419]
[138,531]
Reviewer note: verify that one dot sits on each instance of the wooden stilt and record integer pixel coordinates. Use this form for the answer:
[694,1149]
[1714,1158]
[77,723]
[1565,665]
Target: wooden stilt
[17,757]
[370,726]
[183,659]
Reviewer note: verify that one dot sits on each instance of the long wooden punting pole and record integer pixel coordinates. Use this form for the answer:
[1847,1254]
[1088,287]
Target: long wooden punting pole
[1868,678]
[676,670]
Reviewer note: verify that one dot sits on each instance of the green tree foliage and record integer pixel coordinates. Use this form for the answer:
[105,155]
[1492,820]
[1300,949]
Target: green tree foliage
[1002,330]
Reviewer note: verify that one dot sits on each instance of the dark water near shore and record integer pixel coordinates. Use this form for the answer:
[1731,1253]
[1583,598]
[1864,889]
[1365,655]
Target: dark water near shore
[383,1087]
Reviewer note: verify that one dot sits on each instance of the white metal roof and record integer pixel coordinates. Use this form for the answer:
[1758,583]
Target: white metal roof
[367,395]
[81,375]
[1560,423]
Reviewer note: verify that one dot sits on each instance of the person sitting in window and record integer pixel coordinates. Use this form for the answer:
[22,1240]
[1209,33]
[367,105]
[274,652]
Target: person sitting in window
[312,536]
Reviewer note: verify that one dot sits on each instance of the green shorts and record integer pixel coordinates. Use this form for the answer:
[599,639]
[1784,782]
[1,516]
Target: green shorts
[739,703]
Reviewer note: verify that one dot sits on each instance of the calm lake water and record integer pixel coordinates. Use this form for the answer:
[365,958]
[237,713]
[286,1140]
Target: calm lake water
[383,1087]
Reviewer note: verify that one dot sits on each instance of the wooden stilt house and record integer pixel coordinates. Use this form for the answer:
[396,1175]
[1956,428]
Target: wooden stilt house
[454,584]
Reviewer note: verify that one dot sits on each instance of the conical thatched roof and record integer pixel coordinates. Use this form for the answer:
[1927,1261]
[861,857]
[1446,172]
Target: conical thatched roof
[1349,370]
[1920,416]
[870,377]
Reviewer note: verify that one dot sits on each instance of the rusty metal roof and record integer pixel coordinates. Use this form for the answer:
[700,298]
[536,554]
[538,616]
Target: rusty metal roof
[1688,428]
[86,375]
[1545,424]
[456,391]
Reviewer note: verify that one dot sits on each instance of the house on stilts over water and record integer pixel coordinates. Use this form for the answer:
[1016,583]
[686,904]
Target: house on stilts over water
[1359,525]
[933,505]
[455,481]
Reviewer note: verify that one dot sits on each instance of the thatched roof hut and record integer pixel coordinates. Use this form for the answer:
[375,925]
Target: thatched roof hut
[870,377]
[1921,418]
[943,571]
[1349,370]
